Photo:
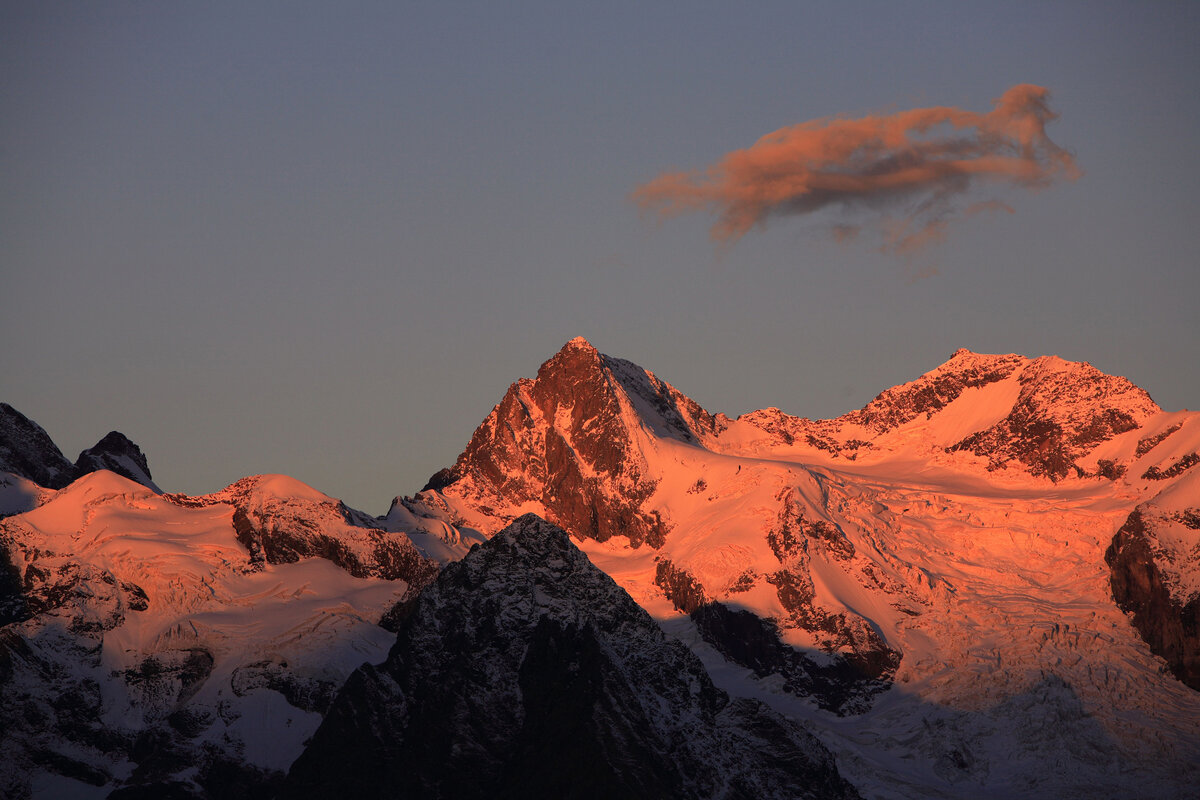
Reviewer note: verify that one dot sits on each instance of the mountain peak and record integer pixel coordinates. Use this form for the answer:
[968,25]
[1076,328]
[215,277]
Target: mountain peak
[570,445]
[577,357]
[578,343]
[117,453]
[559,686]
[27,450]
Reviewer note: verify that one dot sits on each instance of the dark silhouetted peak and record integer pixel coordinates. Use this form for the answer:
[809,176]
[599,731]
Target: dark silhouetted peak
[27,450]
[117,453]
[524,671]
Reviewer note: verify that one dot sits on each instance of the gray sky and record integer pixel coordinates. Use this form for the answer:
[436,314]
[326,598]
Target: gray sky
[323,239]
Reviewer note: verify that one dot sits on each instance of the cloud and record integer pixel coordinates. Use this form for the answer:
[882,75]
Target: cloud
[911,170]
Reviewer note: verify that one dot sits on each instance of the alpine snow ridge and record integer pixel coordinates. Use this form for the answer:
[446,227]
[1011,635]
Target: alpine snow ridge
[524,671]
[26,450]
[165,645]
[985,582]
[947,540]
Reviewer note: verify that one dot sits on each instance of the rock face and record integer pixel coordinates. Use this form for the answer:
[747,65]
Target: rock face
[935,390]
[1046,413]
[524,671]
[1063,410]
[1154,562]
[28,451]
[115,452]
[565,445]
[278,524]
[164,645]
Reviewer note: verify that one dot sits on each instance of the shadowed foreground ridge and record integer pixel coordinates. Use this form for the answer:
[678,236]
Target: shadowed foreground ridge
[524,671]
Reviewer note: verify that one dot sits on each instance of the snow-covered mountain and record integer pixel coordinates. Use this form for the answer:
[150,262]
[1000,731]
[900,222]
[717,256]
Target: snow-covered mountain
[947,541]
[983,583]
[525,671]
[168,643]
[27,451]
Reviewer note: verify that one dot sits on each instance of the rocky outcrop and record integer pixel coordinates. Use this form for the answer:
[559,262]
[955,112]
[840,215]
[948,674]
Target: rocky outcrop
[1064,410]
[1184,463]
[115,452]
[567,442]
[680,586]
[842,684]
[847,638]
[524,671]
[1170,624]
[27,450]
[282,528]
[935,390]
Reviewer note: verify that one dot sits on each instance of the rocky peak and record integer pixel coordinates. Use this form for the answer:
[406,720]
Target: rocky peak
[27,450]
[280,520]
[1064,409]
[524,671]
[570,443]
[934,390]
[117,453]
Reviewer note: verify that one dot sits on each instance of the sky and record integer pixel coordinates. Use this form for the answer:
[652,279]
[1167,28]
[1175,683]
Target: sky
[322,239]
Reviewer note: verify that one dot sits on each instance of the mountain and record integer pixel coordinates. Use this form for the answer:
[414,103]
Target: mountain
[166,645]
[928,570]
[116,453]
[566,444]
[525,671]
[1155,570]
[28,452]
[982,583]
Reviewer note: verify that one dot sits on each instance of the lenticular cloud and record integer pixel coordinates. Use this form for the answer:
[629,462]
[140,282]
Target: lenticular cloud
[915,167]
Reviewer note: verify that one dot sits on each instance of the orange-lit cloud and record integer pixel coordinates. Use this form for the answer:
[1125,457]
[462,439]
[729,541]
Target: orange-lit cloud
[914,164]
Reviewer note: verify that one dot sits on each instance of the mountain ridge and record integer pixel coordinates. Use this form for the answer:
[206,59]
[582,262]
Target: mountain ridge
[922,582]
[537,628]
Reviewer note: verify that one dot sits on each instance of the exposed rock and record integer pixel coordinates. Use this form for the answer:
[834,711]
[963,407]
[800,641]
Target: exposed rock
[1064,409]
[309,694]
[680,586]
[842,684]
[565,442]
[524,671]
[935,390]
[1148,443]
[115,452]
[1169,624]
[27,450]
[282,530]
[1185,462]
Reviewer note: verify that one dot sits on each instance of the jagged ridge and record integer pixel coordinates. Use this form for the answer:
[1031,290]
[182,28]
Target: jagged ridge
[525,671]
